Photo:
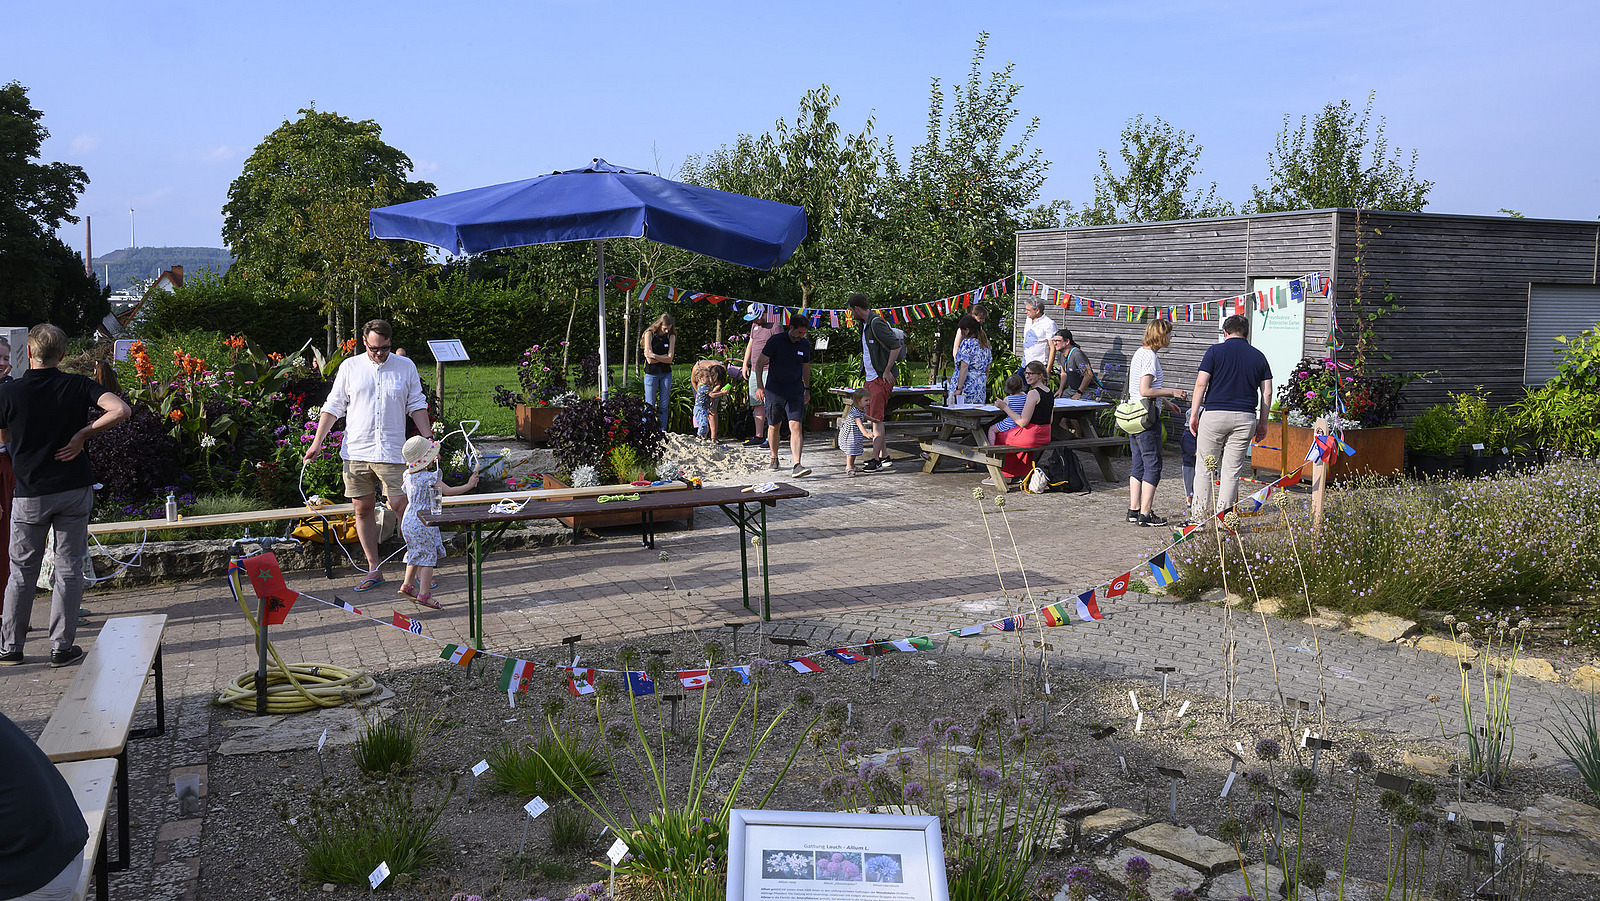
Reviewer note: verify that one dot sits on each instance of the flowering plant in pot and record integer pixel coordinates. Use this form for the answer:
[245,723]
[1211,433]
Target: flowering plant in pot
[587,432]
[539,379]
[1315,388]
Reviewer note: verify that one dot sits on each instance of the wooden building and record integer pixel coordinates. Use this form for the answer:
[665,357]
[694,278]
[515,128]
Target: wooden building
[1480,297]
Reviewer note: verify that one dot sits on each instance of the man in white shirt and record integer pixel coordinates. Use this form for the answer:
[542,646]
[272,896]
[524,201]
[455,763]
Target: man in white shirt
[375,392]
[1036,335]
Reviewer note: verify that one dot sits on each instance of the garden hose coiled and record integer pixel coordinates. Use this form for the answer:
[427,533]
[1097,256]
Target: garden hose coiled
[291,687]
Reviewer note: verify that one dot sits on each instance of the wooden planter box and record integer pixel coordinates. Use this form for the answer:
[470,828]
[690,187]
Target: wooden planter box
[532,422]
[1379,452]
[684,515]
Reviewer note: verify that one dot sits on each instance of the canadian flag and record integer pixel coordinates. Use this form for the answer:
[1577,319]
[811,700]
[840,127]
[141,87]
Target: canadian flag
[692,679]
[1119,585]
[804,665]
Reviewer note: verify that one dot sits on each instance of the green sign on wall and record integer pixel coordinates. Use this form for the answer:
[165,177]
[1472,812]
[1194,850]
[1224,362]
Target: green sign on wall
[1280,331]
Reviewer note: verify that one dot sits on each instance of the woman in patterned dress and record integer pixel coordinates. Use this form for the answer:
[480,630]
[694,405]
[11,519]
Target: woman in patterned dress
[970,383]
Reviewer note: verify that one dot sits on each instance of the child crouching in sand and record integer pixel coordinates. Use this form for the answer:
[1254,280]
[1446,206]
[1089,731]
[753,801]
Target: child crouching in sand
[424,544]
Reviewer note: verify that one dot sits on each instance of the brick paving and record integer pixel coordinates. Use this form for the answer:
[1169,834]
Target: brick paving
[879,556]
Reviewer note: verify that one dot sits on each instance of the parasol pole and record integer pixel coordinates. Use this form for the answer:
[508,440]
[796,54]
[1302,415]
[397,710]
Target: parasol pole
[601,282]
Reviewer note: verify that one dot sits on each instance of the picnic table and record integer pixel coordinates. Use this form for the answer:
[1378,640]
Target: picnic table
[963,434]
[909,412]
[485,525]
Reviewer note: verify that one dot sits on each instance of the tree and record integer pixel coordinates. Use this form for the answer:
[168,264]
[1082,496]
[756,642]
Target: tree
[40,277]
[812,164]
[1339,166]
[1158,162]
[951,217]
[296,218]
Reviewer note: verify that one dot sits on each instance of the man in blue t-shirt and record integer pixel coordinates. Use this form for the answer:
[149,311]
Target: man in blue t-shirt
[783,384]
[1232,397]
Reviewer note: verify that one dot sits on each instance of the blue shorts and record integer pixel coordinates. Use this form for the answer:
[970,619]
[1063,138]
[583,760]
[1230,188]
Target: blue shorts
[780,408]
[1146,450]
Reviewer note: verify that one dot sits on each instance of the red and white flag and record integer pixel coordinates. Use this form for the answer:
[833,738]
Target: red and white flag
[581,682]
[803,665]
[692,679]
[402,621]
[1119,585]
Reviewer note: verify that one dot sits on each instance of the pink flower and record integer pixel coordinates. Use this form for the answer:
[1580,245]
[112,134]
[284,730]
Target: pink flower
[1311,395]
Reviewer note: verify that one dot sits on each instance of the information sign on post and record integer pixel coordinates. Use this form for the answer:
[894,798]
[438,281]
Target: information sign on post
[779,855]
[449,350]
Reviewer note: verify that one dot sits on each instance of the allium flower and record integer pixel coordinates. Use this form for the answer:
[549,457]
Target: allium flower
[1268,749]
[977,494]
[1302,779]
[1211,463]
[804,697]
[988,778]
[836,710]
[1137,870]
[914,792]
[1360,761]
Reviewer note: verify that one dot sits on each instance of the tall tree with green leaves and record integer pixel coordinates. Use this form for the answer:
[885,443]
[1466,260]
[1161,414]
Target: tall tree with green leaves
[1335,162]
[1158,162]
[41,278]
[952,214]
[811,163]
[296,218]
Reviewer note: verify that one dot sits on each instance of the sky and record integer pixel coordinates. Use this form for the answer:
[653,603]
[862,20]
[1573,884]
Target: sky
[161,103]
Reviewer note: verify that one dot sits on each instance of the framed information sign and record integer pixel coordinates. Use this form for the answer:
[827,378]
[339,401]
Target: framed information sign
[450,350]
[790,855]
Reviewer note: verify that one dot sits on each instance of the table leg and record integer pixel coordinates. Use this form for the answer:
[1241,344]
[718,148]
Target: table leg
[122,814]
[102,887]
[161,705]
[327,556]
[647,528]
[766,586]
[475,552]
[946,429]
[1101,454]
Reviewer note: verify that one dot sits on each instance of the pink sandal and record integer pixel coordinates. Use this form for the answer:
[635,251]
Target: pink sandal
[408,591]
[427,600]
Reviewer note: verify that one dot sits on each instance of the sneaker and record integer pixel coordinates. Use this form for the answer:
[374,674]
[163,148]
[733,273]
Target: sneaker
[1133,516]
[68,657]
[871,466]
[799,471]
[753,441]
[11,659]
[989,482]
[885,462]
[1150,519]
[774,466]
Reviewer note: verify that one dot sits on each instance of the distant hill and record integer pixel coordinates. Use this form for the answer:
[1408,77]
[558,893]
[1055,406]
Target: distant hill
[129,265]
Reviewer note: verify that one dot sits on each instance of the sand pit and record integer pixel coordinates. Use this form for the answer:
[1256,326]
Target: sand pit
[731,464]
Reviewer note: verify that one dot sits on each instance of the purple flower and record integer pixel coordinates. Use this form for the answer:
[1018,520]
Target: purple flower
[1138,870]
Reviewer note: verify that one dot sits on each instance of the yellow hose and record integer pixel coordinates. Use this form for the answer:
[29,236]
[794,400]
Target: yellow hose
[291,687]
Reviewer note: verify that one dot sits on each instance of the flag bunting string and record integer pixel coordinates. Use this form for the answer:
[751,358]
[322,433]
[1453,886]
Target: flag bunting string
[820,317]
[1312,284]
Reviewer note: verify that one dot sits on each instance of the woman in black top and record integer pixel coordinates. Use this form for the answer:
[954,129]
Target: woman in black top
[1033,423]
[660,342]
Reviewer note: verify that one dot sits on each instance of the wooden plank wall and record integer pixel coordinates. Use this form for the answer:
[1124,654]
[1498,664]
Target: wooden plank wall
[1168,263]
[1462,285]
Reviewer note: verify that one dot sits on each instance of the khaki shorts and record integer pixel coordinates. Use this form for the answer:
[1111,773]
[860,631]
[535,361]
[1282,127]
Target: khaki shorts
[361,479]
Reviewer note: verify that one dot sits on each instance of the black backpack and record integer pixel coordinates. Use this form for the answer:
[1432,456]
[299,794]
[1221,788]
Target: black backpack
[1062,471]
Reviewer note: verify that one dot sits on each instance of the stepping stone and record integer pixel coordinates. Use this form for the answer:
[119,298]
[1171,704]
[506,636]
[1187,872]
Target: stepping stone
[1437,767]
[1081,802]
[1166,876]
[1185,846]
[1444,646]
[1230,886]
[1115,819]
[1474,812]
[1569,834]
[1383,626]
[1586,678]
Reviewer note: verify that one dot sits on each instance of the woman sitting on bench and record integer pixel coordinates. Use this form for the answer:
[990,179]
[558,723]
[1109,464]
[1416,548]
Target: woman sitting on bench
[1033,424]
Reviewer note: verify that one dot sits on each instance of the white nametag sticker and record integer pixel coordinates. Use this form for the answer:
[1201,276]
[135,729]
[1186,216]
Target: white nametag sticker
[322,741]
[480,768]
[378,875]
[536,807]
[617,851]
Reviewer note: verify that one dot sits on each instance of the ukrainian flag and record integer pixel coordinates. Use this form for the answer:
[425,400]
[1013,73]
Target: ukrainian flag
[1163,569]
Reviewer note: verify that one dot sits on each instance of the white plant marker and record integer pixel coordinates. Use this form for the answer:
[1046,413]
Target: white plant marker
[1183,709]
[478,769]
[320,742]
[1138,723]
[376,878]
[617,851]
[1228,785]
[1134,700]
[534,808]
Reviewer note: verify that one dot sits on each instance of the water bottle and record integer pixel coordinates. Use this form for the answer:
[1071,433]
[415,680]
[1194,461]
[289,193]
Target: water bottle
[172,508]
[436,504]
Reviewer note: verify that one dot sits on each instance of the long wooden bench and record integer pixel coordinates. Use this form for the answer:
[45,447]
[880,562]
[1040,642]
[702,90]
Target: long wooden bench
[991,456]
[91,781]
[94,719]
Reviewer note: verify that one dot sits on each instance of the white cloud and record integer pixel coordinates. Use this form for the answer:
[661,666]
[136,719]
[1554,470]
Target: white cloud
[83,145]
[222,153]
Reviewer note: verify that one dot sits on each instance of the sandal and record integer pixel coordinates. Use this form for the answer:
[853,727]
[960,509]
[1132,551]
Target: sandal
[408,591]
[427,600]
[371,582]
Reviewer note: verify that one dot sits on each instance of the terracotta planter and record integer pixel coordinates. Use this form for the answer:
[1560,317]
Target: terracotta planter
[1379,452]
[532,422]
[684,515]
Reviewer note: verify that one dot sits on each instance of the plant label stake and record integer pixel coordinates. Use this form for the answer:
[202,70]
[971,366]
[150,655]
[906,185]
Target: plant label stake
[1174,776]
[735,627]
[617,851]
[1138,723]
[1317,746]
[376,878]
[1165,671]
[320,742]
[1182,709]
[571,641]
[1233,769]
[534,808]
[1227,785]
[478,769]
[1106,734]
[673,700]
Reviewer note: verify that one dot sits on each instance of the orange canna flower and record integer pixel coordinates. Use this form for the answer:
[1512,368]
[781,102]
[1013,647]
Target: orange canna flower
[347,346]
[175,416]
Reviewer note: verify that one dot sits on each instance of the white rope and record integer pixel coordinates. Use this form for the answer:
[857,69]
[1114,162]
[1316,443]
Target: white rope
[131,562]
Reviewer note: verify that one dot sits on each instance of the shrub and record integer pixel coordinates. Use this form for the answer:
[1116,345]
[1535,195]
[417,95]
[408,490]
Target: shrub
[1315,388]
[1436,431]
[137,459]
[392,743]
[217,504]
[539,379]
[232,306]
[1481,423]
[535,766]
[344,837]
[585,432]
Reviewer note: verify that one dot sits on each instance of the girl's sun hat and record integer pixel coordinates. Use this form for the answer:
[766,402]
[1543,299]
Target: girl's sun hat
[419,453]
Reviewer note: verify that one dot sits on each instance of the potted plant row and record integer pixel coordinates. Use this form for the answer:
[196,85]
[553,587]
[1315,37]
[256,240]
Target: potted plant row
[1467,436]
[609,441]
[541,392]
[1319,389]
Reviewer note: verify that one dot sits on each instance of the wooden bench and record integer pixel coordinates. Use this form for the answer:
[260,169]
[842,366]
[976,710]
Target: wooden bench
[94,719]
[90,781]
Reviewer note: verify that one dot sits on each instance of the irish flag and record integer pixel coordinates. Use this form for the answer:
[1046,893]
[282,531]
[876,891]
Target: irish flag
[804,665]
[515,674]
[1055,615]
[457,654]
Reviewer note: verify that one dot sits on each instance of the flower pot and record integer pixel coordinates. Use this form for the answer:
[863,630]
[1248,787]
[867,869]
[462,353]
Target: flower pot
[1486,464]
[1378,452]
[532,422]
[684,515]
[1433,466]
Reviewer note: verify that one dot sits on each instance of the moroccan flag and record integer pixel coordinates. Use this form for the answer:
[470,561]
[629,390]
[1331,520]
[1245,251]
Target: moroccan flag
[969,631]
[1055,615]
[804,665]
[1088,610]
[266,578]
[641,684]
[1119,585]
[515,674]
[1162,569]
[845,655]
[581,682]
[457,654]
[693,679]
[912,644]
[401,621]
[1009,624]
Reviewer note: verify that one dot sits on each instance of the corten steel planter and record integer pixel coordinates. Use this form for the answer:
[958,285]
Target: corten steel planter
[1379,452]
[533,422]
